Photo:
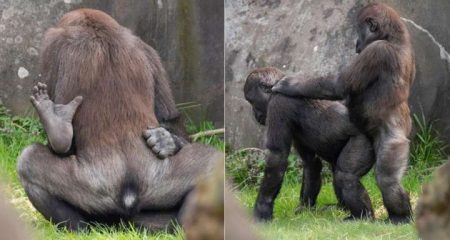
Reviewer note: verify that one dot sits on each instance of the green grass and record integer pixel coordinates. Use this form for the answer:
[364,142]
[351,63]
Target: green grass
[213,140]
[245,167]
[324,221]
[18,132]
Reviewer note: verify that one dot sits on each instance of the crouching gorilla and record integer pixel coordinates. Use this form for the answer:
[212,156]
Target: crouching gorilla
[105,88]
[317,129]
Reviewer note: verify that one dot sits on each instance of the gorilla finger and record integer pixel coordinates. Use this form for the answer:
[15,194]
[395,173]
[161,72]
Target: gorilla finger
[76,101]
[156,149]
[156,132]
[151,132]
[42,87]
[280,86]
[33,101]
[152,141]
[165,133]
[146,133]
[164,153]
[35,90]
[160,153]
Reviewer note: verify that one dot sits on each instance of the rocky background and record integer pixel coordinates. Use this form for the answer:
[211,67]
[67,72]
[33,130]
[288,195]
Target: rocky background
[188,34]
[318,37]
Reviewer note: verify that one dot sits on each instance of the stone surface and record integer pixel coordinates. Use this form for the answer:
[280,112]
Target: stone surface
[187,34]
[318,37]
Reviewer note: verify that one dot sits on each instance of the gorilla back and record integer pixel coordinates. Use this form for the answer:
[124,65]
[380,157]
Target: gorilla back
[108,170]
[89,54]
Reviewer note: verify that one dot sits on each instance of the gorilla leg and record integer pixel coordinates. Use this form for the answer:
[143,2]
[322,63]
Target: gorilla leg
[176,178]
[392,150]
[52,208]
[337,189]
[55,210]
[355,161]
[276,166]
[311,182]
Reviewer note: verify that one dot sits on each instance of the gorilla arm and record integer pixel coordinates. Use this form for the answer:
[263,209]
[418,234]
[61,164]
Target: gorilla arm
[360,74]
[165,109]
[279,140]
[329,88]
[171,136]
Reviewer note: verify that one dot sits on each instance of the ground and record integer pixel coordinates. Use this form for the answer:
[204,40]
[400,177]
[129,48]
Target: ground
[15,134]
[325,221]
[245,167]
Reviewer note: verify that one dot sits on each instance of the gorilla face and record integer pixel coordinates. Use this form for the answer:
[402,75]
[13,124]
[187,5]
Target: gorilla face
[258,96]
[368,32]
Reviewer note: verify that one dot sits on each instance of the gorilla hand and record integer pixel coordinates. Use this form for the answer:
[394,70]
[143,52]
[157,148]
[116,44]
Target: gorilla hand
[287,86]
[323,87]
[162,142]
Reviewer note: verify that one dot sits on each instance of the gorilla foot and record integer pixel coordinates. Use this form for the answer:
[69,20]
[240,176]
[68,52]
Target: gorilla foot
[56,118]
[263,213]
[49,111]
[161,142]
[41,100]
[354,218]
[396,220]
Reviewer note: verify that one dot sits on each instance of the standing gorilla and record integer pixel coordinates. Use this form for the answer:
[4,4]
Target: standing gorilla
[317,128]
[105,88]
[376,85]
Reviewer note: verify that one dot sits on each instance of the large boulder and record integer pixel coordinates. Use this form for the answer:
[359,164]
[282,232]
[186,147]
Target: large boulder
[187,34]
[318,37]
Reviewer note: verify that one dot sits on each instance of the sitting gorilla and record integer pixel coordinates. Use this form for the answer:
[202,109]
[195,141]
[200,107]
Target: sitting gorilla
[104,88]
[317,129]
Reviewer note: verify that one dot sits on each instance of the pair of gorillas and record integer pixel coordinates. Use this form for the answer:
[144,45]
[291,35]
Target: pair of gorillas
[105,87]
[117,145]
[369,127]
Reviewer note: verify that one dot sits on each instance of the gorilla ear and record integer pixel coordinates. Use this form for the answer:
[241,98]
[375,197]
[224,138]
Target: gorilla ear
[373,24]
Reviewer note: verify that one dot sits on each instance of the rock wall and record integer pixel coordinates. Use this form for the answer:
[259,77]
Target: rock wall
[187,34]
[318,37]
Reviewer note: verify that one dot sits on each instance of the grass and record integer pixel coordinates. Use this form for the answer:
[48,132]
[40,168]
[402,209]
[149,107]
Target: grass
[325,220]
[18,132]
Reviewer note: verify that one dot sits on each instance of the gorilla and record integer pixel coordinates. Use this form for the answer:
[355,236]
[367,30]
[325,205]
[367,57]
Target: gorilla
[104,104]
[376,86]
[316,128]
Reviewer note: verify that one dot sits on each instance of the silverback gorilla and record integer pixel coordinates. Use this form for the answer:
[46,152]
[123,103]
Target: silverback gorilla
[376,86]
[316,128]
[105,87]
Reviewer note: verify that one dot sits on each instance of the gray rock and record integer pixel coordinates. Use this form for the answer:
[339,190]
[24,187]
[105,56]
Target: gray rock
[318,37]
[187,34]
